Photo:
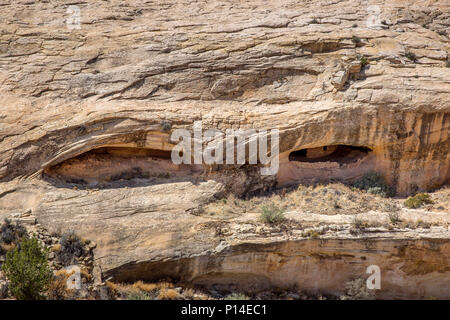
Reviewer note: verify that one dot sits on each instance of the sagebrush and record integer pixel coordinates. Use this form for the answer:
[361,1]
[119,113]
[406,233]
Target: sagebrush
[272,214]
[418,200]
[71,248]
[11,232]
[374,183]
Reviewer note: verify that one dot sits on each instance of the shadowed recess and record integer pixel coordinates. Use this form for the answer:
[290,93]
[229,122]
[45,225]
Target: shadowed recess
[107,165]
[334,153]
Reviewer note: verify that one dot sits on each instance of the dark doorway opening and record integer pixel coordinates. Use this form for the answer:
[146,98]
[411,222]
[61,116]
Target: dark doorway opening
[333,153]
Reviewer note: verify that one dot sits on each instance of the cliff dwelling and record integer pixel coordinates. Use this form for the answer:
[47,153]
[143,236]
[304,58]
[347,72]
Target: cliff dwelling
[325,163]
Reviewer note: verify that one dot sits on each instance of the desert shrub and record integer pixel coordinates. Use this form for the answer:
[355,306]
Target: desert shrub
[57,289]
[314,21]
[447,64]
[418,200]
[27,270]
[358,223]
[394,217]
[137,295]
[388,206]
[237,296]
[374,182]
[376,191]
[191,294]
[272,214]
[411,56]
[116,289]
[11,233]
[166,125]
[146,287]
[356,40]
[4,248]
[165,175]
[363,61]
[71,248]
[423,224]
[314,234]
[168,294]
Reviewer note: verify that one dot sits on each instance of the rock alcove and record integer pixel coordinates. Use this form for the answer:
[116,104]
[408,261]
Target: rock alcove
[325,163]
[104,166]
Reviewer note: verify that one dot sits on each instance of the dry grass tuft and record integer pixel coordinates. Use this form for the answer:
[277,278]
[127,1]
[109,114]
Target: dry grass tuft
[58,288]
[147,287]
[56,248]
[143,291]
[86,274]
[113,286]
[7,247]
[168,294]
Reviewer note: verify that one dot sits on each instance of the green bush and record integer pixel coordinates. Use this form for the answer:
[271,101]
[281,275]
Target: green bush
[137,295]
[310,234]
[376,191]
[411,56]
[272,214]
[418,200]
[363,61]
[237,296]
[27,270]
[71,248]
[356,40]
[373,182]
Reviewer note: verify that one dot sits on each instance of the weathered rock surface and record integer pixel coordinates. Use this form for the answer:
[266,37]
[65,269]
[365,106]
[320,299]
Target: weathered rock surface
[70,97]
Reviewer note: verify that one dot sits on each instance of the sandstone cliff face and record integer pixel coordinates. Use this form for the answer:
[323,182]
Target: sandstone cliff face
[81,109]
[291,66]
[312,264]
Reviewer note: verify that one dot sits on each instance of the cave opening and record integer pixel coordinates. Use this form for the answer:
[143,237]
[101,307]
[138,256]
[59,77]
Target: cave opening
[116,164]
[333,153]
